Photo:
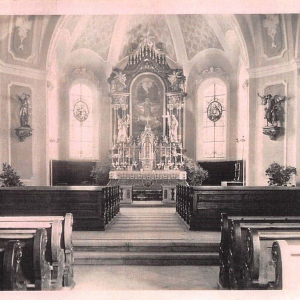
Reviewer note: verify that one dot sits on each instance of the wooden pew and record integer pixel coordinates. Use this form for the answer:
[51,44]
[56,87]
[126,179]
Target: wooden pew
[226,238]
[66,244]
[35,271]
[11,275]
[259,269]
[238,248]
[54,253]
[286,257]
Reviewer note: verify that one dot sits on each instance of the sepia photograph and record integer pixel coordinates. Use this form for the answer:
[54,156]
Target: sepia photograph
[149,149]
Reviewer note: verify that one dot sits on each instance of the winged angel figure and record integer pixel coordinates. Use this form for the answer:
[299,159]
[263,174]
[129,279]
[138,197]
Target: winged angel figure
[272,108]
[175,78]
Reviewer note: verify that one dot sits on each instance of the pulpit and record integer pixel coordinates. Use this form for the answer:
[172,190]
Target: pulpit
[147,125]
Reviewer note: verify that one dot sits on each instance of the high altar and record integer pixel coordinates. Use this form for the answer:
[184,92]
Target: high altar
[147,98]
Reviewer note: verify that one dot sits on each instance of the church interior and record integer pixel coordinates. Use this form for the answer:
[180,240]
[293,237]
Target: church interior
[142,132]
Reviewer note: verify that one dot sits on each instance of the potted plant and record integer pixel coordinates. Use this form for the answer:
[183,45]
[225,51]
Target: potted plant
[100,173]
[280,175]
[9,177]
[195,173]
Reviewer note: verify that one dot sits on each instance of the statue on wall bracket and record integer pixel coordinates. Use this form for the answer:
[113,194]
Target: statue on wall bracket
[272,114]
[24,130]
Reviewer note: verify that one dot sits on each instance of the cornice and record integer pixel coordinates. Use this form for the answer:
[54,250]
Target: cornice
[275,69]
[16,70]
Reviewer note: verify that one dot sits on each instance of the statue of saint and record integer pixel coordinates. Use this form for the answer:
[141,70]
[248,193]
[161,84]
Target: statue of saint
[173,128]
[25,109]
[123,124]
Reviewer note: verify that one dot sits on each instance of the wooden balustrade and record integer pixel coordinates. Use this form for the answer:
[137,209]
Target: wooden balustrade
[184,202]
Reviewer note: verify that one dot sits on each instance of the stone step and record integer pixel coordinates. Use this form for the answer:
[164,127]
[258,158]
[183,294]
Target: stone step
[142,258]
[143,246]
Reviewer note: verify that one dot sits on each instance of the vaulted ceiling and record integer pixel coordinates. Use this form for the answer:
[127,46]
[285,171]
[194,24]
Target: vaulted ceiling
[182,35]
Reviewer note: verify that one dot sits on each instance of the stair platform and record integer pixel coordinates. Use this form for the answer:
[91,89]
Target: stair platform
[147,236]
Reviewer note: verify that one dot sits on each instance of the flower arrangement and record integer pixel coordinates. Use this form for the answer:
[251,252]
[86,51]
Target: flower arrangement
[280,175]
[195,173]
[100,173]
[9,177]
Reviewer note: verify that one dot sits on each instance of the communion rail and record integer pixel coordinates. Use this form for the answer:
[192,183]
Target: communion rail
[201,207]
[93,207]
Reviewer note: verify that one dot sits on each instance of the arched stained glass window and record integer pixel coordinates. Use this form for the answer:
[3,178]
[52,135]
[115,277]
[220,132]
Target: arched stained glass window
[81,122]
[214,120]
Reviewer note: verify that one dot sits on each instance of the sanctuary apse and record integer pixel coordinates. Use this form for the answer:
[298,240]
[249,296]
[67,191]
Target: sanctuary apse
[147,100]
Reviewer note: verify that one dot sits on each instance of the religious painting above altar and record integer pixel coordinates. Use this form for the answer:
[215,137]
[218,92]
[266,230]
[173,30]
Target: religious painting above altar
[147,94]
[147,121]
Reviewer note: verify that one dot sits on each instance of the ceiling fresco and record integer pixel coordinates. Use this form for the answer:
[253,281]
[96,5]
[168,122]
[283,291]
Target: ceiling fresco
[97,34]
[154,27]
[197,34]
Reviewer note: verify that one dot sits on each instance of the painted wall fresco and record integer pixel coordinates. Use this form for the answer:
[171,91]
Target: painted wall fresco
[22,36]
[272,35]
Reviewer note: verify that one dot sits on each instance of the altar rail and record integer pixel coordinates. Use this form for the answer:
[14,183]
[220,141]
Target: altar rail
[92,207]
[201,207]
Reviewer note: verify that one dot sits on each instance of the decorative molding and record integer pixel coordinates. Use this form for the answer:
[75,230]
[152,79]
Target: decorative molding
[23,133]
[17,70]
[284,38]
[83,73]
[210,73]
[23,33]
[271,131]
[271,70]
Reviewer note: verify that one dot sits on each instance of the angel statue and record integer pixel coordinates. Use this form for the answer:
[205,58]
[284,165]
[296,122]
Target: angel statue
[25,109]
[272,108]
[123,124]
[175,78]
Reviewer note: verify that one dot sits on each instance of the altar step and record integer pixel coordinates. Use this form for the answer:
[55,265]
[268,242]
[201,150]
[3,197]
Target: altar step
[146,236]
[149,203]
[146,195]
[145,253]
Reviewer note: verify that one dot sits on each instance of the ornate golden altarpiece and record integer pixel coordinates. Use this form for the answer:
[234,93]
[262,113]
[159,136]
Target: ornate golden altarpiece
[147,101]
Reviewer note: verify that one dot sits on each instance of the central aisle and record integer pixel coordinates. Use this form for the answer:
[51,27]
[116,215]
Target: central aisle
[147,223]
[146,247]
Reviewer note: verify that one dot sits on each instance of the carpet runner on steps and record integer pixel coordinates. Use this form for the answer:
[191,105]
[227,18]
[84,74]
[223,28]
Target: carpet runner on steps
[146,236]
